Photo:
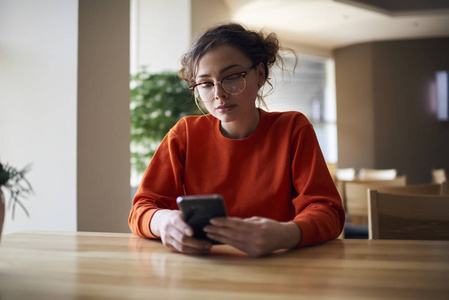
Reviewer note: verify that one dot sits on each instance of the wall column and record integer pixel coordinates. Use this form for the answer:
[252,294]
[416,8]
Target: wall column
[103,124]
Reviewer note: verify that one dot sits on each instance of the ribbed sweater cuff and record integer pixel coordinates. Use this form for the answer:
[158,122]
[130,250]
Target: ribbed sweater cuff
[145,223]
[307,229]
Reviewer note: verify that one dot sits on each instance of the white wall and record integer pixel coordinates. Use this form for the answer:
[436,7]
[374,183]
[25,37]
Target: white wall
[38,92]
[161,34]
[64,106]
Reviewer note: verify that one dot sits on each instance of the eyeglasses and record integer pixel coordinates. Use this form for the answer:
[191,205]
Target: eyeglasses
[233,84]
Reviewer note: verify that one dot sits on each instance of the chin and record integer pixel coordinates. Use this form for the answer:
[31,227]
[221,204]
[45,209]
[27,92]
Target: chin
[226,117]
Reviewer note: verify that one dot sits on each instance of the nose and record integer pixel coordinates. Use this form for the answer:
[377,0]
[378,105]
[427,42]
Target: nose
[219,91]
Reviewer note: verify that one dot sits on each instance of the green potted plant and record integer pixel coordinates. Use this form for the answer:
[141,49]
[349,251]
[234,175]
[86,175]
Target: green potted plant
[158,101]
[12,181]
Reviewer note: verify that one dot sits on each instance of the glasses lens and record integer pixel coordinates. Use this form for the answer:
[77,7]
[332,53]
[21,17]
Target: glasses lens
[204,91]
[234,84]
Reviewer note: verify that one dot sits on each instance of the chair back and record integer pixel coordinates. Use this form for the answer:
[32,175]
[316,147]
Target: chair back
[356,198]
[345,174]
[408,217]
[415,189]
[377,174]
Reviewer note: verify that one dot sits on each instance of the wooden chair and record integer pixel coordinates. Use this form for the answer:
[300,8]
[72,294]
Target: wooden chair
[408,217]
[345,174]
[377,174]
[341,176]
[415,189]
[355,197]
[439,175]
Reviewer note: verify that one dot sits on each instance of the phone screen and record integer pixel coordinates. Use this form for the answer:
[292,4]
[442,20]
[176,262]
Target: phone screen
[198,210]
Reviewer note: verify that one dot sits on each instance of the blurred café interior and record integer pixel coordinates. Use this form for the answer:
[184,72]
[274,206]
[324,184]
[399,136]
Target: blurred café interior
[372,76]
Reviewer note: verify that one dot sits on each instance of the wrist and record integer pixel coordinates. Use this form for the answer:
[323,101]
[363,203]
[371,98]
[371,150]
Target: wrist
[293,235]
[156,221]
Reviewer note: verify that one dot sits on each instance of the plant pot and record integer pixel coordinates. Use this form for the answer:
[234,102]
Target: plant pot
[2,213]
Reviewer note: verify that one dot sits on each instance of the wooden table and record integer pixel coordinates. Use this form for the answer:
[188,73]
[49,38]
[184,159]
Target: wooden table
[84,265]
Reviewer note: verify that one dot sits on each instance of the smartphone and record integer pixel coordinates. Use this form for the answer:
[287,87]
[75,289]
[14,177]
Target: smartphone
[198,210]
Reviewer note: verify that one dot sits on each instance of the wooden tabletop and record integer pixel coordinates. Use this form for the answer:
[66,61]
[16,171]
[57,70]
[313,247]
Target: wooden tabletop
[87,265]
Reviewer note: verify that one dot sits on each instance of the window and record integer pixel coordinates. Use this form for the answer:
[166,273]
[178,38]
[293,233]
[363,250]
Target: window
[310,90]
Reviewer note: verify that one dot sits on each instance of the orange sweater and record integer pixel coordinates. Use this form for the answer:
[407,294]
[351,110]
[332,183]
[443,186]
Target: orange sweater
[278,172]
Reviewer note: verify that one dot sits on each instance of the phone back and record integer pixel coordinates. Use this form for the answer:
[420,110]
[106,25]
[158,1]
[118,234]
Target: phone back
[198,210]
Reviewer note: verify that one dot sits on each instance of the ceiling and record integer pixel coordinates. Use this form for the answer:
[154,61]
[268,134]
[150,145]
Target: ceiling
[330,24]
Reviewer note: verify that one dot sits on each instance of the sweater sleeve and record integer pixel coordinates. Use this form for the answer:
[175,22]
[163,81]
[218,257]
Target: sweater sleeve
[161,184]
[319,211]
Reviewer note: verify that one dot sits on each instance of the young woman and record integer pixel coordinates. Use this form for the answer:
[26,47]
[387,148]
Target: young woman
[268,166]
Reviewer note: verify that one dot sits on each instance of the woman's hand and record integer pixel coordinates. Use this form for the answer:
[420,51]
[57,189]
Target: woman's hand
[256,236]
[177,234]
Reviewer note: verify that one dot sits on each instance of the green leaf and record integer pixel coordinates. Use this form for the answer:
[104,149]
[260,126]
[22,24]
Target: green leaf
[158,101]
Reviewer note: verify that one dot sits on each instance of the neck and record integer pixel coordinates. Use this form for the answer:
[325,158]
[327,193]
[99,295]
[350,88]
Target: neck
[241,129]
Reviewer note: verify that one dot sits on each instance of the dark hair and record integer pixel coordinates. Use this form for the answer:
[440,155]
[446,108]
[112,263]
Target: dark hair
[257,46]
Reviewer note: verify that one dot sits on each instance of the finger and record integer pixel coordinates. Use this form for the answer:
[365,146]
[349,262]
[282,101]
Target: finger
[181,243]
[181,225]
[243,246]
[183,248]
[187,241]
[234,234]
[239,224]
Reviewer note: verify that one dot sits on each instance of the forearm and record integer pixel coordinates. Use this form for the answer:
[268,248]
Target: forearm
[320,224]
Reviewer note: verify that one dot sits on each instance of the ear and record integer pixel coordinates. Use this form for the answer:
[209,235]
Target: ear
[260,69]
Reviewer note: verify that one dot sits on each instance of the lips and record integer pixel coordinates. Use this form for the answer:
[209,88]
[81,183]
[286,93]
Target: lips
[225,108]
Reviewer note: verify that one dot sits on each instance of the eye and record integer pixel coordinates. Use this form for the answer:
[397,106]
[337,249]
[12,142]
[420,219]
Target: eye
[233,77]
[205,85]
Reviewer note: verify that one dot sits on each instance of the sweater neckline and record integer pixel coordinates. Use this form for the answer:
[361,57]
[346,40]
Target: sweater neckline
[253,139]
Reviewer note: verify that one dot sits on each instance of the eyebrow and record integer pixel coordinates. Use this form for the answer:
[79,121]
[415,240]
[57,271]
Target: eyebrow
[221,71]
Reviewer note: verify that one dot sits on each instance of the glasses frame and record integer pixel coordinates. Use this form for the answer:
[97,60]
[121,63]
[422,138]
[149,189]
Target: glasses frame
[243,74]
